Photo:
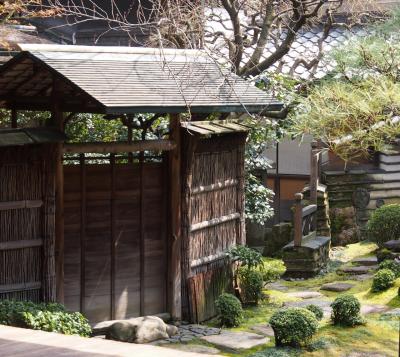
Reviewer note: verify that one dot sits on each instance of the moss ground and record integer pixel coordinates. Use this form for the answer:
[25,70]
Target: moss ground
[376,336]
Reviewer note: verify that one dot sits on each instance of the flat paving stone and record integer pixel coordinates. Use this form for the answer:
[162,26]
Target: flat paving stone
[361,277]
[337,286]
[263,329]
[236,341]
[367,261]
[196,349]
[323,304]
[305,294]
[364,354]
[277,286]
[357,270]
[373,309]
[392,313]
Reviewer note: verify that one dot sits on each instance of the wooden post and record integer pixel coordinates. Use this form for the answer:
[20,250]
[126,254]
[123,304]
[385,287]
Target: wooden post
[82,163]
[314,175]
[175,274]
[14,118]
[298,220]
[113,240]
[58,122]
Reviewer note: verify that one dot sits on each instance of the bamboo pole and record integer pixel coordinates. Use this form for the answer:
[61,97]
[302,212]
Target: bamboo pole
[175,207]
[314,175]
[117,147]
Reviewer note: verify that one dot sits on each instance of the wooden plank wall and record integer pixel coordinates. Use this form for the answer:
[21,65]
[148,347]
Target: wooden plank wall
[27,223]
[214,210]
[115,239]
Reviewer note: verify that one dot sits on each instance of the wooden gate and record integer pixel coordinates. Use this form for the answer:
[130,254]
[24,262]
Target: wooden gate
[27,220]
[115,239]
[214,219]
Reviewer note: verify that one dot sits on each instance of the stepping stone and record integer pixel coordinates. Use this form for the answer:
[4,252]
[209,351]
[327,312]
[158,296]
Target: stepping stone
[325,305]
[373,309]
[337,287]
[196,349]
[305,294]
[362,277]
[277,286]
[263,329]
[392,313]
[364,354]
[367,261]
[357,270]
[236,341]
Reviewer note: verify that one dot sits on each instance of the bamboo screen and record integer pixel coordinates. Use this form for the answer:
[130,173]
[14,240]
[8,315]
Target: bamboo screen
[27,223]
[213,220]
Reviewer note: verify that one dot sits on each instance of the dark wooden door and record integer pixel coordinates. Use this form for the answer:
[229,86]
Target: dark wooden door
[115,239]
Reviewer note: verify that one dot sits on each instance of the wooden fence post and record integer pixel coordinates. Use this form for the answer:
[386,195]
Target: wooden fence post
[175,273]
[314,172]
[298,220]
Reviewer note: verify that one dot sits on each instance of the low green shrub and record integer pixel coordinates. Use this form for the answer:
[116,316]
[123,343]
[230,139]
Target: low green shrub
[316,310]
[392,265]
[293,326]
[272,270]
[229,310]
[383,280]
[50,317]
[251,283]
[346,311]
[384,224]
[246,256]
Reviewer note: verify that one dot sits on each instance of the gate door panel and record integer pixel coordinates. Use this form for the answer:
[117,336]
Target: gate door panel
[115,239]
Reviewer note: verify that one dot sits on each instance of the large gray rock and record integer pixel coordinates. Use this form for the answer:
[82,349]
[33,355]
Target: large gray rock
[263,329]
[393,245]
[122,331]
[236,341]
[140,330]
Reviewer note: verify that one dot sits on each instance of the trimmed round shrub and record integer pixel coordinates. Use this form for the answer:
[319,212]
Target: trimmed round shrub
[316,310]
[251,284]
[383,280]
[384,224]
[392,265]
[346,311]
[293,326]
[229,310]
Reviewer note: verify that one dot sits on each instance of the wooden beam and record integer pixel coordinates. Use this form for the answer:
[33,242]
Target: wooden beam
[298,220]
[14,118]
[58,122]
[10,205]
[21,244]
[175,274]
[215,186]
[117,147]
[215,222]
[8,288]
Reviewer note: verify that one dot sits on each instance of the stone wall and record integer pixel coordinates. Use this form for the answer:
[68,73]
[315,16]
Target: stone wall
[355,194]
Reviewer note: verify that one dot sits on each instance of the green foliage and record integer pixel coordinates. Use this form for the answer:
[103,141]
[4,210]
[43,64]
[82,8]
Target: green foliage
[351,110]
[316,310]
[272,270]
[229,310]
[246,256]
[251,283]
[384,224]
[392,265]
[293,326]
[346,311]
[50,317]
[383,280]
[384,254]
